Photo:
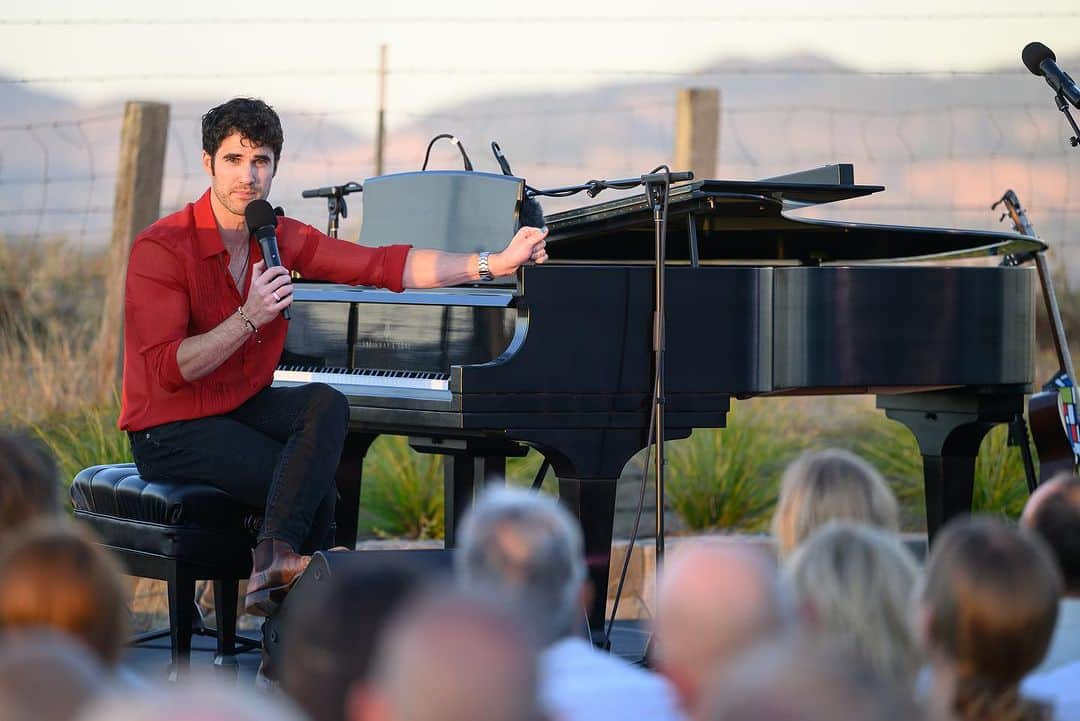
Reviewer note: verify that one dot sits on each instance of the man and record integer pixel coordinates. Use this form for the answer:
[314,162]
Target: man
[526,550]
[1053,513]
[203,333]
[715,601]
[450,657]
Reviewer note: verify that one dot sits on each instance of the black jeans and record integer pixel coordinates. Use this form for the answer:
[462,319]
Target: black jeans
[276,453]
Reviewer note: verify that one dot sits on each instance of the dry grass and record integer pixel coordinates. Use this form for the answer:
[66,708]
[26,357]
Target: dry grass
[50,310]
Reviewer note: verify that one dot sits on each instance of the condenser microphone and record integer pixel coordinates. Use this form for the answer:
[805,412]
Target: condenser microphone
[262,223]
[1040,60]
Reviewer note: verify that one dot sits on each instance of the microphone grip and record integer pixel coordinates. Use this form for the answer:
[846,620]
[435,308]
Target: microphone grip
[268,245]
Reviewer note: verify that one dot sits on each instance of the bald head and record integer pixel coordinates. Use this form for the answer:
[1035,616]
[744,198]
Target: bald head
[452,658]
[1053,512]
[715,600]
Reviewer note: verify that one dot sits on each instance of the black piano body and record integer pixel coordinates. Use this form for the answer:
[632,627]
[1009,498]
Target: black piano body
[758,303]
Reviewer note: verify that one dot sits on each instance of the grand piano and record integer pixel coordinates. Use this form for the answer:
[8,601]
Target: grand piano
[760,302]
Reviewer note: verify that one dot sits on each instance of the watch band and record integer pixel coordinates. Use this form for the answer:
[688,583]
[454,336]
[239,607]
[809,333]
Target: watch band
[483,267]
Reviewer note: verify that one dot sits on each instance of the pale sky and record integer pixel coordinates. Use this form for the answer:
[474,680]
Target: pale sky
[319,56]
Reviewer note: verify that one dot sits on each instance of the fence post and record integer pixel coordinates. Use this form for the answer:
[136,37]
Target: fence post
[697,131]
[137,204]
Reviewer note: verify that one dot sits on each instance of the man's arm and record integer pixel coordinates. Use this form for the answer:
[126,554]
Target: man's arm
[425,268]
[199,355]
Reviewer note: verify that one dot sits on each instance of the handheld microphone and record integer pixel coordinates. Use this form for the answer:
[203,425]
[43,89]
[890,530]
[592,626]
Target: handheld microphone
[262,223]
[1040,60]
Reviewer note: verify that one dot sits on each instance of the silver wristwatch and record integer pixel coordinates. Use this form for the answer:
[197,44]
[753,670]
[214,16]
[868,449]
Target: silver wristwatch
[483,267]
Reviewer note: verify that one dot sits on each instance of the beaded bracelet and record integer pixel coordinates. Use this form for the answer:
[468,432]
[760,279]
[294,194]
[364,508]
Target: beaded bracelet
[247,320]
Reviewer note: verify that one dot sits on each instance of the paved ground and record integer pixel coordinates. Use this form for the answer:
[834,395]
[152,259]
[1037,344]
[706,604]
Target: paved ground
[151,661]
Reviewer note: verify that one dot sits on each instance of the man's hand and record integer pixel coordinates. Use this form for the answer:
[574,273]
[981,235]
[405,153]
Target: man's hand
[528,245]
[270,293]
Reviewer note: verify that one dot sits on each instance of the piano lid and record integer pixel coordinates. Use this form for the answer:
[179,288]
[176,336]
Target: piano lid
[747,221]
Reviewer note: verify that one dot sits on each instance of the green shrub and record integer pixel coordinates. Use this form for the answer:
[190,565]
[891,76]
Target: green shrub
[88,437]
[402,491]
[728,478]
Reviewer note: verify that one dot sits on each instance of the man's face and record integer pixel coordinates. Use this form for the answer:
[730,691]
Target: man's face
[240,173]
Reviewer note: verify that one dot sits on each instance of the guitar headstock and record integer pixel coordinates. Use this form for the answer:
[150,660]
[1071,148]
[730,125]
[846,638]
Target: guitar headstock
[1015,212]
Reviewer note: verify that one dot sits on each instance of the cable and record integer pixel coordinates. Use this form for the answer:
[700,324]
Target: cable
[461,149]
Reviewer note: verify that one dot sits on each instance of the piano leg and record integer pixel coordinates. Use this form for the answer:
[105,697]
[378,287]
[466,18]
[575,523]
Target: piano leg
[593,502]
[460,476]
[949,426]
[349,473]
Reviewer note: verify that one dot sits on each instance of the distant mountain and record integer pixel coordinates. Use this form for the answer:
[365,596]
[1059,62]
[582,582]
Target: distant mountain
[946,146]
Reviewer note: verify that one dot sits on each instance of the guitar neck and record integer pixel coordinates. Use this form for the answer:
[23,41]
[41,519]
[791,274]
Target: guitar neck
[1022,225]
[1057,328]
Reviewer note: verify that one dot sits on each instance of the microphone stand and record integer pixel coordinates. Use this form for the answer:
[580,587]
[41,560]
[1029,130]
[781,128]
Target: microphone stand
[335,202]
[657,190]
[336,206]
[1063,106]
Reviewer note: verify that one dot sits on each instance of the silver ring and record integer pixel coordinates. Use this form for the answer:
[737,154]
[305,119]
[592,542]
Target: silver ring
[274,293]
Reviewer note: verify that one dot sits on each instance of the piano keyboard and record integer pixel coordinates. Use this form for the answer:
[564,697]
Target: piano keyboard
[368,381]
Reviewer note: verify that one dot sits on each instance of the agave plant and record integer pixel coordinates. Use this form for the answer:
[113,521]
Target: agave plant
[727,479]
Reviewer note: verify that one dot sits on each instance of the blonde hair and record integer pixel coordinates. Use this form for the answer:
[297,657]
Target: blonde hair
[857,581]
[830,485]
[55,576]
[991,596]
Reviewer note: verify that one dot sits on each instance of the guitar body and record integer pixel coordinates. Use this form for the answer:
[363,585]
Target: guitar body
[1051,444]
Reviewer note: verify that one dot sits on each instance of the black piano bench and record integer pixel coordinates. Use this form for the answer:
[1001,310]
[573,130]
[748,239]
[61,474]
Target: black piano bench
[179,533]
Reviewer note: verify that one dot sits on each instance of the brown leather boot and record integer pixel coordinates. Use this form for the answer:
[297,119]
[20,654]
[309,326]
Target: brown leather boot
[276,567]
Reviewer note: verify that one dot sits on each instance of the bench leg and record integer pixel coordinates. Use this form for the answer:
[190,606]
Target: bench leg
[181,584]
[225,598]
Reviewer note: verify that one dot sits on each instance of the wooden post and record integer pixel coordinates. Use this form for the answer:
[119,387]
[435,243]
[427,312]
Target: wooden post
[697,131]
[137,205]
[380,122]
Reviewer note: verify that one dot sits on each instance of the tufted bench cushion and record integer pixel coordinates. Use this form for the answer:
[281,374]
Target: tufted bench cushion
[194,521]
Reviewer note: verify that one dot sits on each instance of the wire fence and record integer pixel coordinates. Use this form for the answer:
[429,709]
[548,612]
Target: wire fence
[944,158]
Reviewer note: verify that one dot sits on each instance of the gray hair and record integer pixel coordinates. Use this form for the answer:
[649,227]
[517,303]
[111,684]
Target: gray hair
[527,550]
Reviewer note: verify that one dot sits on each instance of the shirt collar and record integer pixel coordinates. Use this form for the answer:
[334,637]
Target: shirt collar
[206,228]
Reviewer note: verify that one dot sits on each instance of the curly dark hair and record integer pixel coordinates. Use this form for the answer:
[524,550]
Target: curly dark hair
[252,118]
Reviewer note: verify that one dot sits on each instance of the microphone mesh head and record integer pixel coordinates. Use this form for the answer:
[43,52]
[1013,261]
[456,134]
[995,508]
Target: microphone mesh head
[1033,55]
[259,213]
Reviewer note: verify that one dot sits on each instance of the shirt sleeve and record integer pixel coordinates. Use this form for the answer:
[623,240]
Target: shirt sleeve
[321,257]
[156,311]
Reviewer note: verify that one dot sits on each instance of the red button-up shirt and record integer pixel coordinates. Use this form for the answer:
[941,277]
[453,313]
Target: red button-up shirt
[178,285]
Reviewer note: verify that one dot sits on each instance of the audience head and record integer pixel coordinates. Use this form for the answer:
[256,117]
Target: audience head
[800,681]
[714,601]
[54,576]
[988,607]
[526,550]
[330,635]
[830,485]
[199,699]
[854,584]
[1053,513]
[29,482]
[451,657]
[46,676]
